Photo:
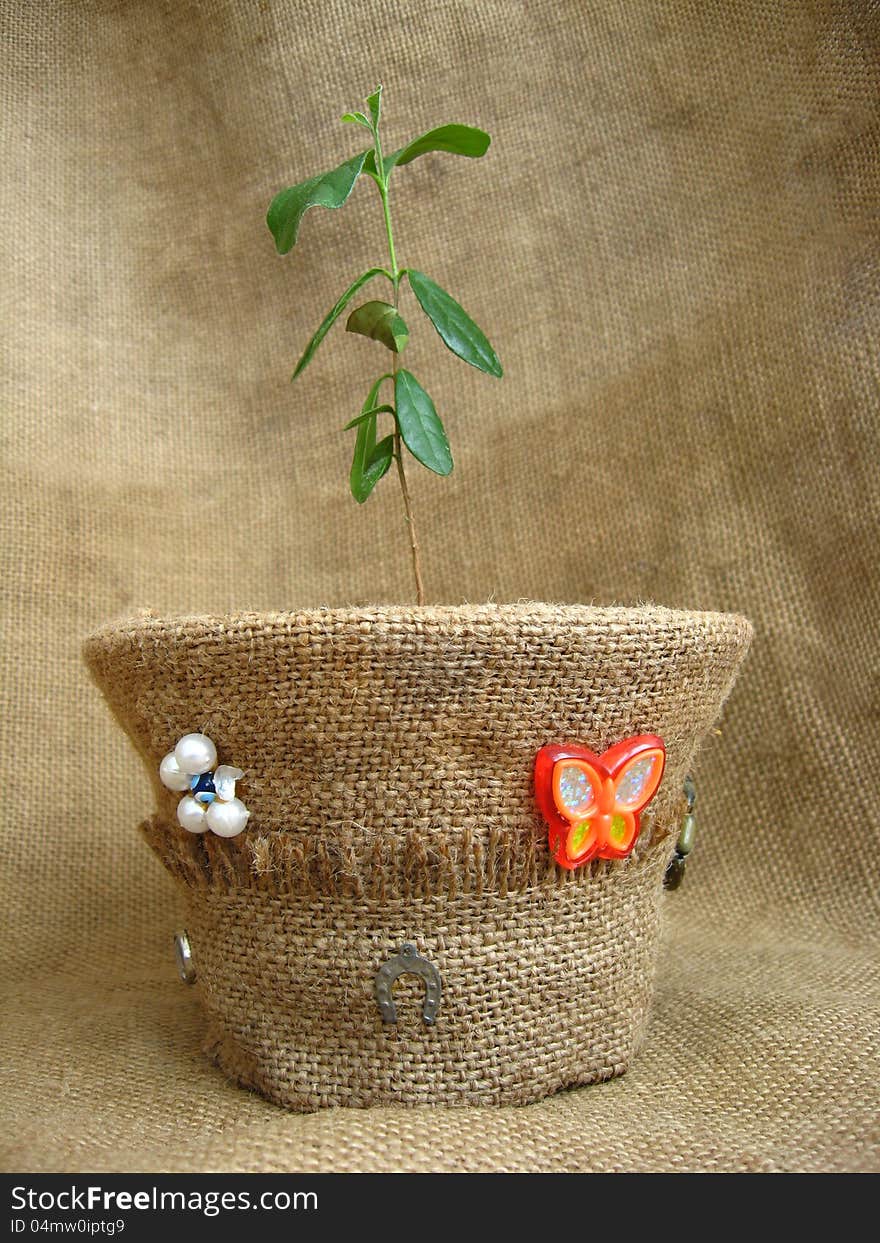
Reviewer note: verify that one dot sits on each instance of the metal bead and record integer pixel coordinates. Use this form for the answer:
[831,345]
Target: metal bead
[685,843]
[675,872]
[186,968]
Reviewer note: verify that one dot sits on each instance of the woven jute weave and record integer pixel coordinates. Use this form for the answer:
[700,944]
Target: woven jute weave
[388,757]
[673,244]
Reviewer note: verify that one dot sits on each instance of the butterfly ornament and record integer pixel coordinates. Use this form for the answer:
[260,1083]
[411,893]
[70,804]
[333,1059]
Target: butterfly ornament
[592,803]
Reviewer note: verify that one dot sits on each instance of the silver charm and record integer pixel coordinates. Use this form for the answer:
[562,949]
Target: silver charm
[186,968]
[408,962]
[685,843]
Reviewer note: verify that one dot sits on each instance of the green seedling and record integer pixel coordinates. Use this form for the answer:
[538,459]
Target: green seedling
[416,425]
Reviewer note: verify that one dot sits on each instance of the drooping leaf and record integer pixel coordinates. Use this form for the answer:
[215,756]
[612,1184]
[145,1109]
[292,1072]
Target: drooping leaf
[330,319]
[370,461]
[374,103]
[381,322]
[464,140]
[419,424]
[380,460]
[456,328]
[361,418]
[356,118]
[365,443]
[363,477]
[325,190]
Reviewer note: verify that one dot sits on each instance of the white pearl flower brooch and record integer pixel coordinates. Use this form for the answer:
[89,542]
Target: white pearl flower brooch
[211,802]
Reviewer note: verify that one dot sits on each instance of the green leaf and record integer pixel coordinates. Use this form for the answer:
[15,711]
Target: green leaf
[372,471]
[419,425]
[361,418]
[374,103]
[455,326]
[464,140]
[356,118]
[381,322]
[364,445]
[330,319]
[370,461]
[380,460]
[326,190]
[361,481]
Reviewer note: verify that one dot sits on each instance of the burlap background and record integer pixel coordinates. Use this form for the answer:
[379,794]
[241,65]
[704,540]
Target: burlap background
[673,246]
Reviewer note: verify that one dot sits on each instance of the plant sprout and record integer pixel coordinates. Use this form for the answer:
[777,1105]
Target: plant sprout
[417,426]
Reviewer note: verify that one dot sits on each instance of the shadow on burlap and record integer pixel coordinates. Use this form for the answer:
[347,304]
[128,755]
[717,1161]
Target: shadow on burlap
[671,245]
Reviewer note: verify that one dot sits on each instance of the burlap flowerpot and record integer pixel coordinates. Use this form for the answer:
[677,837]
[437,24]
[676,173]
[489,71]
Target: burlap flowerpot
[388,757]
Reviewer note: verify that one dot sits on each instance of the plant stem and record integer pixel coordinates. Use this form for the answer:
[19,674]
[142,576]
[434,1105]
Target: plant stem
[383,190]
[398,444]
[413,541]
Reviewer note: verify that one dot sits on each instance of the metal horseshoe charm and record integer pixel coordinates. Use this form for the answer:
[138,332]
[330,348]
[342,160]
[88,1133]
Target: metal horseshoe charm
[408,962]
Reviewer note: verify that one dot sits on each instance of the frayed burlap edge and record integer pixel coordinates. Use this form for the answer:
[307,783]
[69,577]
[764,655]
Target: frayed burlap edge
[296,864]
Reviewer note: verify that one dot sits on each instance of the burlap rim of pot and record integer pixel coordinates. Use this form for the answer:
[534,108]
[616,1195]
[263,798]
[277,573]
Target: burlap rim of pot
[483,684]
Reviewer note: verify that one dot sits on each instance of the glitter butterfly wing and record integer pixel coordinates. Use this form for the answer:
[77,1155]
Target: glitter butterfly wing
[578,787]
[635,767]
[569,787]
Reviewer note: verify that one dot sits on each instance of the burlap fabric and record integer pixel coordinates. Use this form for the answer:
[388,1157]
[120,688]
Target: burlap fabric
[388,757]
[673,245]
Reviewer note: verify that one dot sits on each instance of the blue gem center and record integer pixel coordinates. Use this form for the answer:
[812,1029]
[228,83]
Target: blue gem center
[202,787]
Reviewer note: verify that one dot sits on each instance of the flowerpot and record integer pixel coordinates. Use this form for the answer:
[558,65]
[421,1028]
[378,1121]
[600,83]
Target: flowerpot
[388,758]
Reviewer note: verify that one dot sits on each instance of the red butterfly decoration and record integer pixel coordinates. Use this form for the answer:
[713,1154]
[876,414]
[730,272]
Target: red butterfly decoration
[592,803]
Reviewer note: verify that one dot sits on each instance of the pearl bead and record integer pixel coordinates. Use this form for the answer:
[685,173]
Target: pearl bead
[227,819]
[195,754]
[191,815]
[171,775]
